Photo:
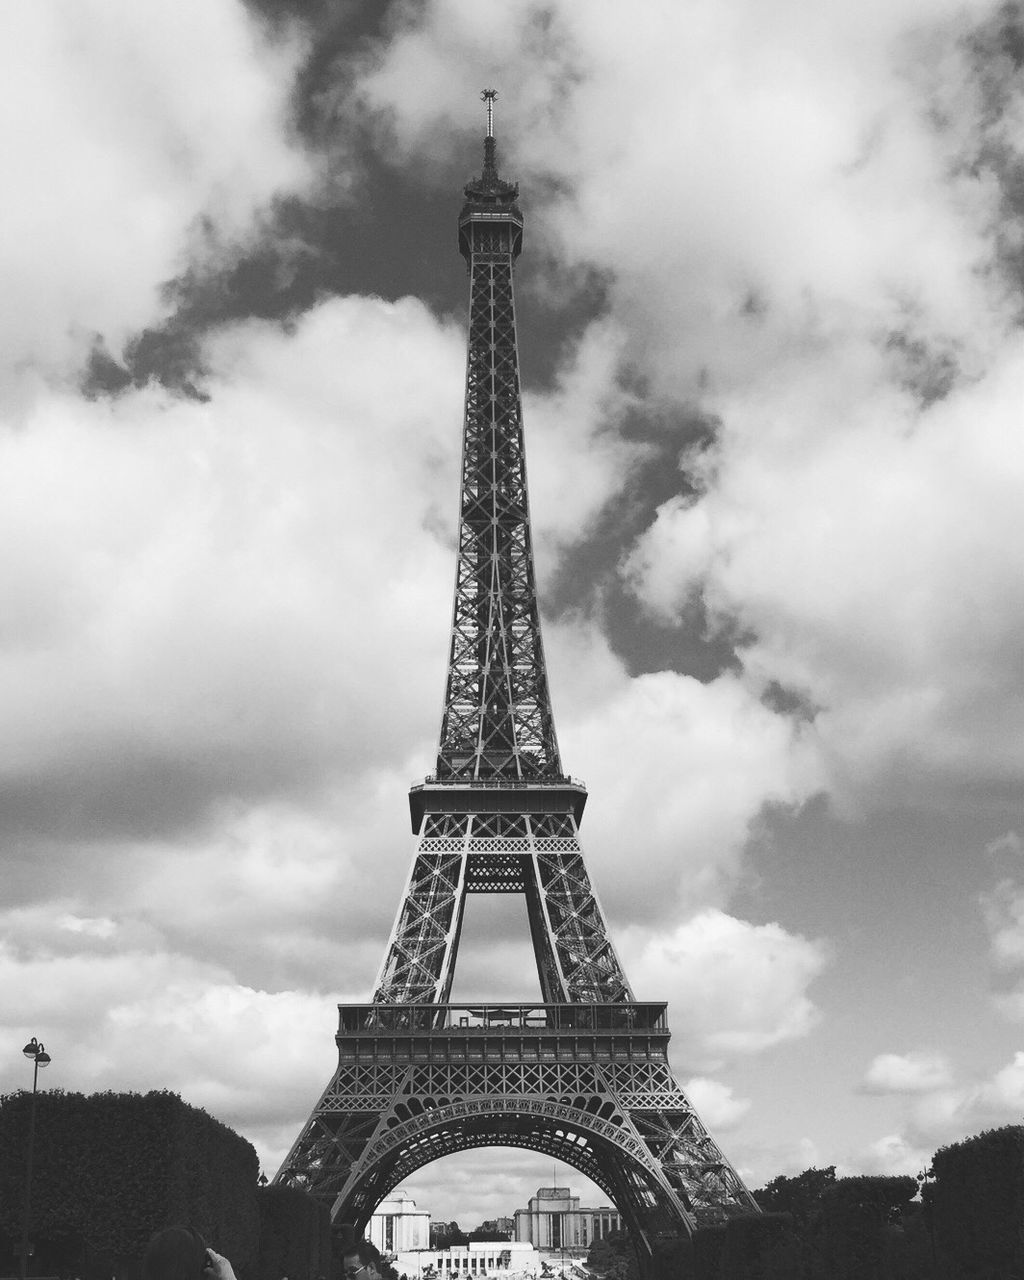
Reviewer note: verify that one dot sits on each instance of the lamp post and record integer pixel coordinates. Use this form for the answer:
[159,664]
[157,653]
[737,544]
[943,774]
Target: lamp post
[40,1058]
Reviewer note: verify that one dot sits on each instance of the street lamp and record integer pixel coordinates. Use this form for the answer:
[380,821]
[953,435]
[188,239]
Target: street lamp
[41,1058]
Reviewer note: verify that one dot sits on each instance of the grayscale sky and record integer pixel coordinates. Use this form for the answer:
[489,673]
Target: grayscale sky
[770,310]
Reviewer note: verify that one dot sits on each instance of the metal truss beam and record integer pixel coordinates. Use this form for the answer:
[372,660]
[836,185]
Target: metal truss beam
[583,1077]
[535,854]
[497,720]
[586,1083]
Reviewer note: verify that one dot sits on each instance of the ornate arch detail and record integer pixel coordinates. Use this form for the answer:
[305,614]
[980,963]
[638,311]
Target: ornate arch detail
[600,1146]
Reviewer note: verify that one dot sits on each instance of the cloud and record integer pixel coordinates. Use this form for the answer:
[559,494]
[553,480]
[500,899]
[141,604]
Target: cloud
[678,771]
[138,1020]
[733,987]
[1007,845]
[796,177]
[578,458]
[123,127]
[892,1156]
[198,585]
[917,1072]
[821,271]
[948,1112]
[877,616]
[715,1103]
[1002,908]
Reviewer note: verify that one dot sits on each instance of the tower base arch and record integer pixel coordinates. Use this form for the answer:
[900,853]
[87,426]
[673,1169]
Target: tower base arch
[588,1085]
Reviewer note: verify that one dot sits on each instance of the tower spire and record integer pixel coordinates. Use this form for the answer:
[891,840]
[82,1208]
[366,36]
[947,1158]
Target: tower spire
[490,174]
[488,96]
[497,721]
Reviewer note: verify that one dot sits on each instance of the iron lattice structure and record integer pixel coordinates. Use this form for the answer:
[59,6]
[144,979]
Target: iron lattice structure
[584,1076]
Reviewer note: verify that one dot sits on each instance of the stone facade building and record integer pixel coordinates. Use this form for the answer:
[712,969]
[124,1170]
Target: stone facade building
[397,1226]
[555,1219]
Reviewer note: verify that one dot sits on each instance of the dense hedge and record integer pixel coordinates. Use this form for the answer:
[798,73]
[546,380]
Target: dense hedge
[859,1217]
[799,1196]
[967,1224]
[761,1247]
[111,1169]
[977,1206]
[295,1236]
[845,1229]
[708,1251]
[672,1260]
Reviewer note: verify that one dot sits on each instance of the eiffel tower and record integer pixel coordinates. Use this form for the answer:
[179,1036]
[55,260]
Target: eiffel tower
[582,1076]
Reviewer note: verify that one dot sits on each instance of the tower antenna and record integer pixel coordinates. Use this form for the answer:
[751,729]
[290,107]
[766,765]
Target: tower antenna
[488,96]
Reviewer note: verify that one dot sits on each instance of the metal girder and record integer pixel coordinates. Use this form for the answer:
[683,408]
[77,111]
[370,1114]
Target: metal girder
[536,854]
[497,720]
[587,1083]
[583,1077]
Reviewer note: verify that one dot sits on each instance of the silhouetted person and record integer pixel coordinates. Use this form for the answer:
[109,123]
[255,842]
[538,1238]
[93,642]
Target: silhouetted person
[181,1253]
[362,1261]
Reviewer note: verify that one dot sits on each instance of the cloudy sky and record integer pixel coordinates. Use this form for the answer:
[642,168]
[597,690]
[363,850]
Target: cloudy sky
[770,307]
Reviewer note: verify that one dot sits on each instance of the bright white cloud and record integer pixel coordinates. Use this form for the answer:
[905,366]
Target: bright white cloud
[96,927]
[1002,908]
[733,987]
[121,129]
[145,1020]
[896,616]
[789,238]
[678,771]
[918,1072]
[195,602]
[949,1112]
[794,180]
[893,1155]
[715,1102]
[577,457]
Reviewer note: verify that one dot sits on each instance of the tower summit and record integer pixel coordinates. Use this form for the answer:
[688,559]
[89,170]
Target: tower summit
[497,722]
[582,1076]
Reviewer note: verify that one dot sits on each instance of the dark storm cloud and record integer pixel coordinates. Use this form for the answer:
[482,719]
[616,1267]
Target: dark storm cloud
[356,233]
[134,793]
[590,576]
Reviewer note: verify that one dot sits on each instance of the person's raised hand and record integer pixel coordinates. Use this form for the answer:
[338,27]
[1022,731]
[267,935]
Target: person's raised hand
[217,1267]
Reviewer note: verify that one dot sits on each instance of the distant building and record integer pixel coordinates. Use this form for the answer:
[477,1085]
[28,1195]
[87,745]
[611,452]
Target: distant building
[496,1229]
[502,1258]
[397,1226]
[554,1219]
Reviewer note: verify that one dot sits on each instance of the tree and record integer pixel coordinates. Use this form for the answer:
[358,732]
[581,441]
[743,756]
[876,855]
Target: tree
[113,1168]
[614,1257]
[799,1196]
[761,1246]
[443,1234]
[295,1235]
[861,1217]
[977,1205]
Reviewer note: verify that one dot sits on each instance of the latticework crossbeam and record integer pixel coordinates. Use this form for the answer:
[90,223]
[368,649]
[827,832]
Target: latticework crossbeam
[497,720]
[588,1084]
[583,1077]
[535,854]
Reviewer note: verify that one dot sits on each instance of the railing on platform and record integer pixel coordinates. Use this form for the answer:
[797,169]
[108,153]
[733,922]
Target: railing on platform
[501,784]
[497,1018]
